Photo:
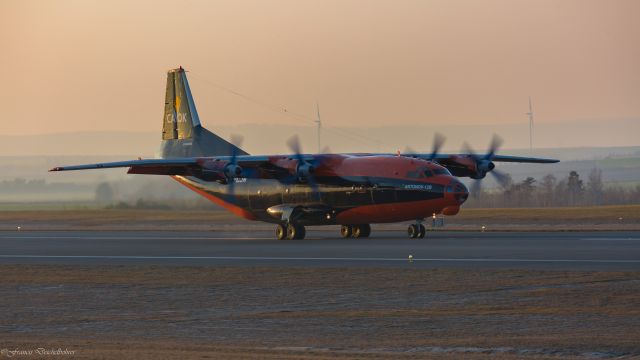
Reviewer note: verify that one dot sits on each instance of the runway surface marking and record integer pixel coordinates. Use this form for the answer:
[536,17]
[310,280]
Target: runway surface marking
[31,237]
[610,239]
[135,237]
[268,258]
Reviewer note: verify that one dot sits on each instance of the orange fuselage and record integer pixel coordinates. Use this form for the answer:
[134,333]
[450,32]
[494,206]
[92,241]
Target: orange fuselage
[344,190]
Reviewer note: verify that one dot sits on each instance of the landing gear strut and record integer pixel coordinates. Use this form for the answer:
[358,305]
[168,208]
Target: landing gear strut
[290,232]
[356,231]
[416,230]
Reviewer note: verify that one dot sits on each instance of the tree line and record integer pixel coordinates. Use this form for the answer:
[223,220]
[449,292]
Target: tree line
[549,191]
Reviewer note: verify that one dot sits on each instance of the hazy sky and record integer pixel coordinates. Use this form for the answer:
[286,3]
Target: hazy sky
[100,65]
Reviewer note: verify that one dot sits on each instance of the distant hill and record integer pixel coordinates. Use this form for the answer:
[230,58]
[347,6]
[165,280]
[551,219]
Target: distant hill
[567,140]
[80,143]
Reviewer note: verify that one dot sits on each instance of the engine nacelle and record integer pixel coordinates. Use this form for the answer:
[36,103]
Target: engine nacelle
[210,175]
[482,168]
[216,170]
[232,171]
[485,166]
[304,171]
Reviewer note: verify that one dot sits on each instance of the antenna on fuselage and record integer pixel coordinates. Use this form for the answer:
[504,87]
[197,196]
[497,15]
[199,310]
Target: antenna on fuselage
[530,114]
[319,124]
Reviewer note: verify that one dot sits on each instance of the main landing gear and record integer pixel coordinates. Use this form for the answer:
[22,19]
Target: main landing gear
[356,231]
[290,231]
[416,230]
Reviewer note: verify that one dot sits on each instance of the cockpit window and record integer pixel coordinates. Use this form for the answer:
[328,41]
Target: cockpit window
[419,173]
[426,172]
[441,171]
[413,174]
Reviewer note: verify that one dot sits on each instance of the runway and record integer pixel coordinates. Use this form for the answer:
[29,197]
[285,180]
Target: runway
[543,250]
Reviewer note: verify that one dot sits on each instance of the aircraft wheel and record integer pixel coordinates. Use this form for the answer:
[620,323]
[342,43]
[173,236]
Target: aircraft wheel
[421,231]
[292,231]
[281,232]
[363,230]
[295,232]
[356,231]
[301,233]
[346,231]
[413,231]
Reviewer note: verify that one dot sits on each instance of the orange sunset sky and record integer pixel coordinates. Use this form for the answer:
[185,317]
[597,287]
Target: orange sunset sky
[100,65]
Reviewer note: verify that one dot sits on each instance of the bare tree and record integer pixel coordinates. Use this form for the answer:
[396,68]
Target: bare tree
[575,188]
[547,185]
[560,193]
[104,193]
[595,187]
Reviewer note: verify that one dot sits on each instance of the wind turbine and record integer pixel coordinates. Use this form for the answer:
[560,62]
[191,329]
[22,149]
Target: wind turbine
[530,114]
[319,123]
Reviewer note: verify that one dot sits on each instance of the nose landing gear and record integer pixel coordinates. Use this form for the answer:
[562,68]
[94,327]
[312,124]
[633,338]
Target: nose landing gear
[416,230]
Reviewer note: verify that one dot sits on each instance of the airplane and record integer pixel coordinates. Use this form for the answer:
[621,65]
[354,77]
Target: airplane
[297,190]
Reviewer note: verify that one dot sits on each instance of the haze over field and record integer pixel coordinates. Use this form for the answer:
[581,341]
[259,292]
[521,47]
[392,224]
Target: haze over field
[271,139]
[406,68]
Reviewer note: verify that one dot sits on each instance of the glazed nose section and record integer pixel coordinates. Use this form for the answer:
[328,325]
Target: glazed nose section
[459,191]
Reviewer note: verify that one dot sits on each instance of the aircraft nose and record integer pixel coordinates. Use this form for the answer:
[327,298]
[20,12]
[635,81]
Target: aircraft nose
[460,192]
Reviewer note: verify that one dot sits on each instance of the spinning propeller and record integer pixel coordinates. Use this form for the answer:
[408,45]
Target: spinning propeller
[438,141]
[232,170]
[304,169]
[484,165]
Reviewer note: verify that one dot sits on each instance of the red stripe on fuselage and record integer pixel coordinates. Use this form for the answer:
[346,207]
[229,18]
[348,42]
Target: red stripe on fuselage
[233,208]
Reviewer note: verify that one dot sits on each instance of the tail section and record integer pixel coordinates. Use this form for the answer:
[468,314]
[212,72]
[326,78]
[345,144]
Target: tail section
[182,133]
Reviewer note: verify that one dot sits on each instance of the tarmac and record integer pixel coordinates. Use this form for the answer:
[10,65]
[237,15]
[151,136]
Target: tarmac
[590,251]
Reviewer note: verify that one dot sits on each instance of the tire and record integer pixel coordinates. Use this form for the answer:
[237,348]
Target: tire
[346,231]
[365,230]
[301,232]
[413,231]
[356,231]
[361,231]
[292,232]
[421,231]
[281,232]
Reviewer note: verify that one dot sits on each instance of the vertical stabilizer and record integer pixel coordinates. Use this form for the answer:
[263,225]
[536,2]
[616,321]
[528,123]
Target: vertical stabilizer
[179,119]
[182,132]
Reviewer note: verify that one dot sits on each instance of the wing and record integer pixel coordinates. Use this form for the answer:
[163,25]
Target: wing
[148,163]
[285,167]
[477,165]
[499,158]
[445,157]
[253,161]
[206,168]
